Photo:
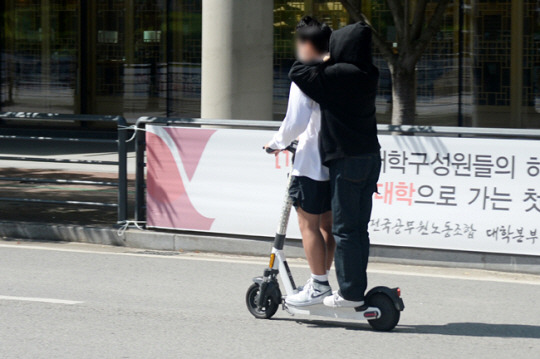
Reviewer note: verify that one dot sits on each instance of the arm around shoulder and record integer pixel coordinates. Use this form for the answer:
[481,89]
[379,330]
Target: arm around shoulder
[310,78]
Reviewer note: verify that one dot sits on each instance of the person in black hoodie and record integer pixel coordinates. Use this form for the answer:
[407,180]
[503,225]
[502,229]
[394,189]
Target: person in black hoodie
[345,86]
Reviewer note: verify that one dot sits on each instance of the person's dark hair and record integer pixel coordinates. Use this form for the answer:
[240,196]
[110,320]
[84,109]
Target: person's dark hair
[317,33]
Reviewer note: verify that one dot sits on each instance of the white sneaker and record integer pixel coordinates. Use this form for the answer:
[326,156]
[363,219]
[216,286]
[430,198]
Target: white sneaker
[337,301]
[312,293]
[301,288]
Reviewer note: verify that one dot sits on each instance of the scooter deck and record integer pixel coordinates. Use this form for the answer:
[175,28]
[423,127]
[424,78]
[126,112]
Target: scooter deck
[339,313]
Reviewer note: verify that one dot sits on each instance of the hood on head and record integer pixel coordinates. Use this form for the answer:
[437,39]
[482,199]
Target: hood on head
[352,44]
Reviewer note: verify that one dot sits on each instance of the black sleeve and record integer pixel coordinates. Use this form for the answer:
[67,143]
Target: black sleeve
[311,79]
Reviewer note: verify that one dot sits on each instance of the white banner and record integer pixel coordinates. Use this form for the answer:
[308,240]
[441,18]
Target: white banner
[434,192]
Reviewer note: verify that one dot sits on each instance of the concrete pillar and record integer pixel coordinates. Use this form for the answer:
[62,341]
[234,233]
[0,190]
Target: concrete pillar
[237,50]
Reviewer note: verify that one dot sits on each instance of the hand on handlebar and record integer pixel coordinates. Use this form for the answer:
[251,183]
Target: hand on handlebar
[270,150]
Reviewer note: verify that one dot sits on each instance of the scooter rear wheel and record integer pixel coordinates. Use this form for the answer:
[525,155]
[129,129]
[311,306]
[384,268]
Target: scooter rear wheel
[389,314]
[266,312]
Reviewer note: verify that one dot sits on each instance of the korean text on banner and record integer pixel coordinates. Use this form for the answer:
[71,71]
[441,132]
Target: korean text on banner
[434,192]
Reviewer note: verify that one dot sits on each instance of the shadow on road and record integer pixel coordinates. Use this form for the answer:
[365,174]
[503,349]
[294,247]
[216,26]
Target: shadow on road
[454,329]
[477,330]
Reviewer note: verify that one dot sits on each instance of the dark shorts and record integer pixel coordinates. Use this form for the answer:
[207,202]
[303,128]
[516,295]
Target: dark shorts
[310,195]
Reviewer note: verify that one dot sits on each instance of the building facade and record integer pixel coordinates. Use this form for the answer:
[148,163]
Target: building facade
[143,58]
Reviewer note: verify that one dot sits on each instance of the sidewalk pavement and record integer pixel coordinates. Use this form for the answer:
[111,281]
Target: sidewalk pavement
[61,214]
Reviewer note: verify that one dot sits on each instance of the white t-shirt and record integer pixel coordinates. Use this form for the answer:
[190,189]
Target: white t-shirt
[303,121]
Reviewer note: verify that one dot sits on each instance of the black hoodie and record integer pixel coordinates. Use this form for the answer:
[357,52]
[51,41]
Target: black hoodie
[345,87]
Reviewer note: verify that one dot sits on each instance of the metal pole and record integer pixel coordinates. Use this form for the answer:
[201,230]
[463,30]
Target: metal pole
[46,47]
[516,63]
[122,170]
[52,201]
[140,148]
[82,86]
[2,55]
[169,57]
[460,62]
[121,142]
[421,130]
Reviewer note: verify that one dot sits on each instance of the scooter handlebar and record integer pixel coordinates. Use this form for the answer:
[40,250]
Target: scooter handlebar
[291,148]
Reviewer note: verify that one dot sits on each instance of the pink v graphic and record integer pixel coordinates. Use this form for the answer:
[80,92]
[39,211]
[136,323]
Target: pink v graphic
[191,143]
[168,203]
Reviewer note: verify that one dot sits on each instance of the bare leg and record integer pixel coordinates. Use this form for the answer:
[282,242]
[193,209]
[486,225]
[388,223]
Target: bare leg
[312,238]
[326,230]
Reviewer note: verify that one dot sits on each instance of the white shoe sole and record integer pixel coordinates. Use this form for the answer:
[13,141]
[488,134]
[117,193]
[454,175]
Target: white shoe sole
[332,304]
[318,300]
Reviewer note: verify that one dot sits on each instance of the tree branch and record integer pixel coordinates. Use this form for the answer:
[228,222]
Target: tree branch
[427,34]
[357,15]
[418,19]
[400,20]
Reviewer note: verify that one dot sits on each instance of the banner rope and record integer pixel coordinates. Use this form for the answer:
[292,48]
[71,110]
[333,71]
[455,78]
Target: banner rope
[134,128]
[126,224]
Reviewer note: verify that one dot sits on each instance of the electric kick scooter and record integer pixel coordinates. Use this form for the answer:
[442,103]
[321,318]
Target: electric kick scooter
[263,297]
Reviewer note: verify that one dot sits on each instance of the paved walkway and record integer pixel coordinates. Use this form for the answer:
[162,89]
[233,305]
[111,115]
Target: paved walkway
[73,214]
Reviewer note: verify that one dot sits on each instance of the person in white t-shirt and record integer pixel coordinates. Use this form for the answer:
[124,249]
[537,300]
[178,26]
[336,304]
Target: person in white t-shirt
[310,188]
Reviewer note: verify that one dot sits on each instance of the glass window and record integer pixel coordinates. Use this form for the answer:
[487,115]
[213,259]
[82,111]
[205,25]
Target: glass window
[531,65]
[437,72]
[437,75]
[143,58]
[185,22]
[491,63]
[147,58]
[39,55]
[137,57]
[127,72]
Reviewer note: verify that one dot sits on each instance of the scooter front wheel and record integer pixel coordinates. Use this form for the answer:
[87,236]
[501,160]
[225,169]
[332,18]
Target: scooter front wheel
[389,314]
[268,310]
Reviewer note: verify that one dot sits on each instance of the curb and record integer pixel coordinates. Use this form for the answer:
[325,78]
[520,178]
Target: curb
[167,241]
[143,239]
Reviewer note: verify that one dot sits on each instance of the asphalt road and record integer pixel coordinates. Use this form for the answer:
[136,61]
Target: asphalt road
[88,301]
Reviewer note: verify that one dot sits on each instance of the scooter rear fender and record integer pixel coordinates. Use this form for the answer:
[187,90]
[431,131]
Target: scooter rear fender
[392,293]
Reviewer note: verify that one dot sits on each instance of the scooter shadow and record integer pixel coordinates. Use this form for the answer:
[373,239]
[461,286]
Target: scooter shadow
[315,323]
[466,329]
[477,330]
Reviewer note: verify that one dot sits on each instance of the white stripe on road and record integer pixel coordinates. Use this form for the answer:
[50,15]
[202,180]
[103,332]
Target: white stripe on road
[403,271]
[40,300]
